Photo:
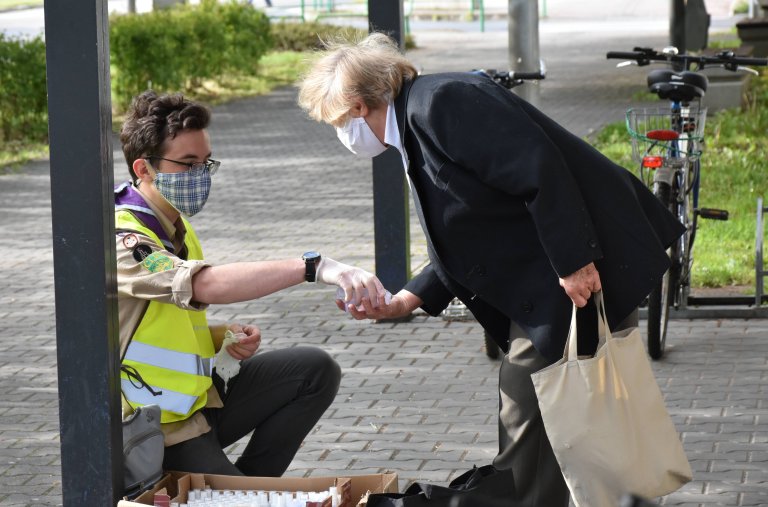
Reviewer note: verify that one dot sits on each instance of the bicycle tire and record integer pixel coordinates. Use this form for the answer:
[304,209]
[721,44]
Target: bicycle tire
[661,298]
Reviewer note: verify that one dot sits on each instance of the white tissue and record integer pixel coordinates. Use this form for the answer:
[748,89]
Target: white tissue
[226,365]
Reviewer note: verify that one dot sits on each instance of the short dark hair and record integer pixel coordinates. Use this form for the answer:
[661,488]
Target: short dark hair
[153,118]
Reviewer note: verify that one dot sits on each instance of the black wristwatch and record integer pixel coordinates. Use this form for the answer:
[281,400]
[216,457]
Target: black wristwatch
[311,260]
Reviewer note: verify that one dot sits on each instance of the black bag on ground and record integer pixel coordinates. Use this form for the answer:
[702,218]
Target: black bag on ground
[480,487]
[143,450]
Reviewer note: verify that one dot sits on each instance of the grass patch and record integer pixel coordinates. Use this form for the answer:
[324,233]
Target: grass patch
[13,154]
[19,4]
[733,176]
[644,96]
[276,69]
[731,43]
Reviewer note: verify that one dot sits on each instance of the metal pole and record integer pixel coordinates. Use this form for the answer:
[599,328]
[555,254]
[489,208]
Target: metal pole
[523,29]
[80,131]
[482,16]
[759,267]
[390,191]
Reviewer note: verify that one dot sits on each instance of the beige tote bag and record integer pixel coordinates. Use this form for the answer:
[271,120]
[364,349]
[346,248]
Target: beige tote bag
[607,422]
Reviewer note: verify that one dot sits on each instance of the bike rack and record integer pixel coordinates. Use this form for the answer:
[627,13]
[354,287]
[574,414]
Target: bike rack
[760,272]
[726,307]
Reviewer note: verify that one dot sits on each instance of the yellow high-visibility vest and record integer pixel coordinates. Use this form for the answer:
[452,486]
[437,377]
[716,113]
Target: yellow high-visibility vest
[171,349]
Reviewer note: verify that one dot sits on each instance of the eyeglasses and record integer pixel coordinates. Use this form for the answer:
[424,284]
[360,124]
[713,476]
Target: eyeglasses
[195,168]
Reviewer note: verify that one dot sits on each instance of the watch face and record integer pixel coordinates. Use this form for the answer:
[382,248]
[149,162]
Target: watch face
[310,256]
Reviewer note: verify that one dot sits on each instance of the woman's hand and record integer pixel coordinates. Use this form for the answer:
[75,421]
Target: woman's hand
[580,285]
[403,303]
[249,340]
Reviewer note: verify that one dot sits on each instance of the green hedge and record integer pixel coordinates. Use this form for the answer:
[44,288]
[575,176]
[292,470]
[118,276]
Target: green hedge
[178,49]
[295,36]
[289,36]
[23,97]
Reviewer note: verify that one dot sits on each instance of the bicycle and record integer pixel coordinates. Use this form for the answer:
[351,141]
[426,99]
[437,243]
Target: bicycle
[668,144]
[509,80]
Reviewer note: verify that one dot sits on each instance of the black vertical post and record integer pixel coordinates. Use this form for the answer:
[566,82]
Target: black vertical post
[677,25]
[387,16]
[77,51]
[390,191]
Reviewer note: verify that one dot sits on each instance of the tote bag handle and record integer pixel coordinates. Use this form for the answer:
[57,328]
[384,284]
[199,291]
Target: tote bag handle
[603,331]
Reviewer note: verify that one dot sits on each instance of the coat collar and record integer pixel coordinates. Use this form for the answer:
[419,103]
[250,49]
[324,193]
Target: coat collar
[401,104]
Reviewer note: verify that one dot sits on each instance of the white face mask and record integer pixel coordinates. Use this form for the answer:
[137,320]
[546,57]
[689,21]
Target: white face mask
[358,137]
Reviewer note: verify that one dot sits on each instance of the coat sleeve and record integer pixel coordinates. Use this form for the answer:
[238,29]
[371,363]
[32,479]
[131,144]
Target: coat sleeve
[482,128]
[430,289]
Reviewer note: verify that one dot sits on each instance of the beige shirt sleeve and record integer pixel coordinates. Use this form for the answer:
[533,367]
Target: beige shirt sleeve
[147,272]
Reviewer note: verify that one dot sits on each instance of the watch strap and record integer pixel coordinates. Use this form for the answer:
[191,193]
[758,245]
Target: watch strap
[311,260]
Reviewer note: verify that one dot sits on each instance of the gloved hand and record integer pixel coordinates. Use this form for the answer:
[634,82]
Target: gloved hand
[352,280]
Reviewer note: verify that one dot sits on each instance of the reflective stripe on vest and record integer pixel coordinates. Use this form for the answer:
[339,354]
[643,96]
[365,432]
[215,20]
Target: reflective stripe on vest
[171,348]
[166,358]
[170,401]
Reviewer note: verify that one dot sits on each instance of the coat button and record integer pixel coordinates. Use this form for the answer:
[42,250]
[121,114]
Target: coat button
[592,243]
[527,307]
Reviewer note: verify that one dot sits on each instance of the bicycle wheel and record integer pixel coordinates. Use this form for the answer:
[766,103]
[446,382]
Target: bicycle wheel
[662,296]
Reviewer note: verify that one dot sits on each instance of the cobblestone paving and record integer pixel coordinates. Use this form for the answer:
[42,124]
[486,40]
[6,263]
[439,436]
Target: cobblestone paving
[418,398]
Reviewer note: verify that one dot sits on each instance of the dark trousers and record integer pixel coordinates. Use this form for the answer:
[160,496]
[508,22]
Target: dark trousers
[279,396]
[523,444]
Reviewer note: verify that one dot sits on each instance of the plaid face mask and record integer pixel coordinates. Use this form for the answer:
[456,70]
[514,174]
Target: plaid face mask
[187,191]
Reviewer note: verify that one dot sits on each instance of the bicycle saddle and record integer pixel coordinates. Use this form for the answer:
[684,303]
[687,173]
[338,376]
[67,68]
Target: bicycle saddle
[679,86]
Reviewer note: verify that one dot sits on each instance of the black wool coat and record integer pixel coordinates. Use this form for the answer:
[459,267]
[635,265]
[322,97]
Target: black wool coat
[510,201]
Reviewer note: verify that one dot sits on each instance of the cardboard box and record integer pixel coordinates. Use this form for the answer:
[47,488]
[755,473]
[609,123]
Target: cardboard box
[177,485]
[373,483]
[168,484]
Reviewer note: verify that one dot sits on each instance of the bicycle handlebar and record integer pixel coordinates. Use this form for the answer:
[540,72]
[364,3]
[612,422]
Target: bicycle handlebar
[620,55]
[726,59]
[511,79]
[526,76]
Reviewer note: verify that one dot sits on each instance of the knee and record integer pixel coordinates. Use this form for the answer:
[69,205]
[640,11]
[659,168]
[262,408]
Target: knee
[323,372]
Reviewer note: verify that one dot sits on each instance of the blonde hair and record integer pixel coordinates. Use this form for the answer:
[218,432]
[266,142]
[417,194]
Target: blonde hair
[371,70]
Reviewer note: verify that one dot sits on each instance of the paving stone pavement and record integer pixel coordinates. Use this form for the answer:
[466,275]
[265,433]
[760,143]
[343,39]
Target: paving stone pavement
[418,398]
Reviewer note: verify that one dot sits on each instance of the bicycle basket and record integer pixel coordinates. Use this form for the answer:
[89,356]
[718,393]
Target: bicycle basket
[659,130]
